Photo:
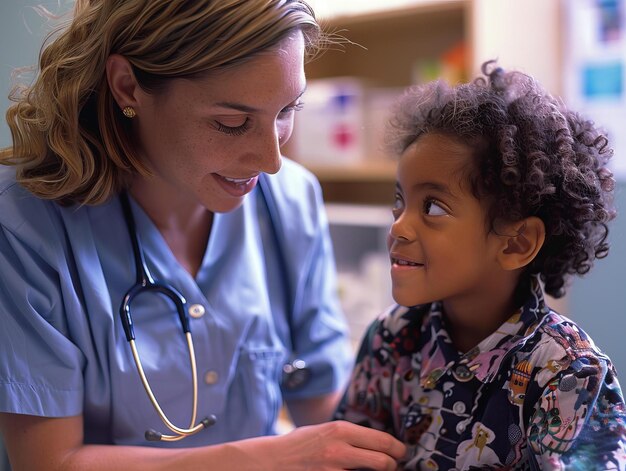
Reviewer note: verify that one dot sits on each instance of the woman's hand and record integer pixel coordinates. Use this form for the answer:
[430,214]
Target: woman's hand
[330,446]
[57,444]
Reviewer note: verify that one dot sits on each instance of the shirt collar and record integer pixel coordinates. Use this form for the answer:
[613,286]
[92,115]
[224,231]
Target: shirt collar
[484,360]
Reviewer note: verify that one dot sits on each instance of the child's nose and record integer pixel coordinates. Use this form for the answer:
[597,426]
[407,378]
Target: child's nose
[400,231]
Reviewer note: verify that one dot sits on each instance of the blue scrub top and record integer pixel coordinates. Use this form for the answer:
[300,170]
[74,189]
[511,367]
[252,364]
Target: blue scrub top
[64,271]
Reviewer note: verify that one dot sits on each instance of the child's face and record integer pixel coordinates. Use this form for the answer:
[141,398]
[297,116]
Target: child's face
[440,245]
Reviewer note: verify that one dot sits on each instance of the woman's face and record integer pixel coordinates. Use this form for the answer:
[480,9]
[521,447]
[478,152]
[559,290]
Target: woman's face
[206,140]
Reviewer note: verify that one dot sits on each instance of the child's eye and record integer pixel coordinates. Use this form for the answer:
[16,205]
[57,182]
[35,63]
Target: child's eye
[434,208]
[398,206]
[233,130]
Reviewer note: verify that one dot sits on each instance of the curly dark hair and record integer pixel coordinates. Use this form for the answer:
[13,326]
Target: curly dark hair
[532,157]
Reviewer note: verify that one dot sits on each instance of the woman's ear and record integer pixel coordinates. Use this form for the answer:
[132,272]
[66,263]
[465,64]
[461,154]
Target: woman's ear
[521,249]
[122,81]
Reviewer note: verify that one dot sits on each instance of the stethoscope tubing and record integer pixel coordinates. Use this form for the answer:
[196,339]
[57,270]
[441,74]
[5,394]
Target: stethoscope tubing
[145,283]
[146,384]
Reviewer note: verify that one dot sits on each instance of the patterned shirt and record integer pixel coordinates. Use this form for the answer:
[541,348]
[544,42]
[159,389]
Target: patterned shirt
[536,394]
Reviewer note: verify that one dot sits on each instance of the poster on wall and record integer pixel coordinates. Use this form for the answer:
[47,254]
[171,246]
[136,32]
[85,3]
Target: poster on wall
[595,67]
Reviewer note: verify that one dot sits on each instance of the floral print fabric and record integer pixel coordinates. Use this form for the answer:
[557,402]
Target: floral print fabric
[536,394]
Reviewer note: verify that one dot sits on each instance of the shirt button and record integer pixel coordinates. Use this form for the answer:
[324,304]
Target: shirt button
[462,373]
[196,311]
[211,377]
[432,378]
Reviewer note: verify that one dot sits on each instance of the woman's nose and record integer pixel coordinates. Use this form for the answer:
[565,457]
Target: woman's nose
[270,155]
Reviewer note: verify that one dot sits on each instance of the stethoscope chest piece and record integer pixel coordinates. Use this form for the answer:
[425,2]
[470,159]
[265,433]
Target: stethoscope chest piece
[295,374]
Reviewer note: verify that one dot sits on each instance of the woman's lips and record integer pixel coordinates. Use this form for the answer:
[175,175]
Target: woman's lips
[236,187]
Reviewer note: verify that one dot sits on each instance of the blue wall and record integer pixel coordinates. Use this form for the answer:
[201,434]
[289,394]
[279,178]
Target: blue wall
[598,300]
[22,31]
[19,49]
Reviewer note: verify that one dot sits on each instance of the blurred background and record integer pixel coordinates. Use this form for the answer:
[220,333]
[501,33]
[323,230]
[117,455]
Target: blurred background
[576,48]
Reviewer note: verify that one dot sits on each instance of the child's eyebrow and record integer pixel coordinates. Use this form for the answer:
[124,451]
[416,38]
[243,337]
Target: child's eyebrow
[429,185]
[434,186]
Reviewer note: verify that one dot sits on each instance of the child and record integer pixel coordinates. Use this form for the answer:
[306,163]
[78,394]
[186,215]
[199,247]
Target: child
[502,195]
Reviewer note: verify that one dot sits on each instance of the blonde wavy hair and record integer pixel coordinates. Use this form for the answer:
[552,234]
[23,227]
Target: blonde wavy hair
[71,143]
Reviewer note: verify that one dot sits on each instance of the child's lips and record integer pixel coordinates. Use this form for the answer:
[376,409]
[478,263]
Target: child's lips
[401,261]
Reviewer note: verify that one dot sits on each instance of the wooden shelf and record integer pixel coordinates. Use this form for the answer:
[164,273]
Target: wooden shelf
[340,11]
[388,44]
[376,216]
[365,184]
[383,171]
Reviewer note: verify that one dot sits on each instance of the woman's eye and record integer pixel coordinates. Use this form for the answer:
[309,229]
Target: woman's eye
[233,130]
[433,208]
[295,107]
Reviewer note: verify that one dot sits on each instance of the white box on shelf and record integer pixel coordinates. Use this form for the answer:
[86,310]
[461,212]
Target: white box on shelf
[329,128]
[379,104]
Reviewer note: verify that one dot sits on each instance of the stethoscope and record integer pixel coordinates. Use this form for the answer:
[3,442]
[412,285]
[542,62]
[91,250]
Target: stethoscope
[295,372]
[144,284]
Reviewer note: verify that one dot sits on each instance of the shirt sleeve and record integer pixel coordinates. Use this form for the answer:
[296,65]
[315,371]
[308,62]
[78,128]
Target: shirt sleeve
[41,369]
[580,420]
[367,399]
[319,331]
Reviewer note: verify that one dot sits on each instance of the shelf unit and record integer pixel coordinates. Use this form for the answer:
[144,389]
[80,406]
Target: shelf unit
[384,50]
[387,44]
[388,40]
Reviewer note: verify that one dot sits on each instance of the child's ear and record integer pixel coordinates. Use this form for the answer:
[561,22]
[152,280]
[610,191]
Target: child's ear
[521,249]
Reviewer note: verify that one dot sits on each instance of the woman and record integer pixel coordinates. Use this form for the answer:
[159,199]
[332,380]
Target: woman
[160,120]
